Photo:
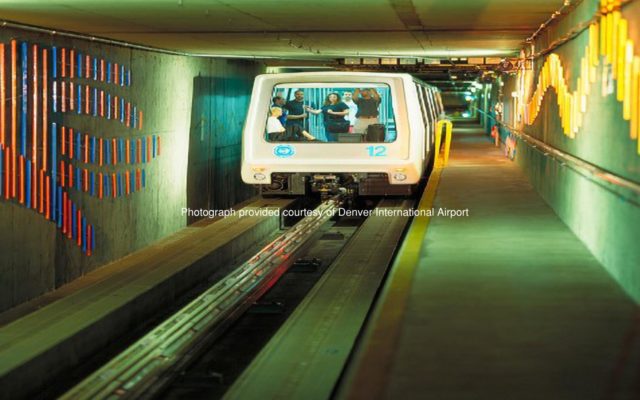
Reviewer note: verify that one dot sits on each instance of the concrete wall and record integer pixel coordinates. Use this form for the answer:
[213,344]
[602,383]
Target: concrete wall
[607,221]
[35,257]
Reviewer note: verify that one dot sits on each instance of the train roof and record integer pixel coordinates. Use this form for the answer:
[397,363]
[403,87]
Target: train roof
[308,76]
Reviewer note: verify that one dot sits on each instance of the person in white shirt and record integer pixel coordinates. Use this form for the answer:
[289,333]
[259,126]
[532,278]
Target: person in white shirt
[277,132]
[347,98]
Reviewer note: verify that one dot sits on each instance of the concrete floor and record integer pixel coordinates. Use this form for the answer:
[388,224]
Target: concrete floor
[507,303]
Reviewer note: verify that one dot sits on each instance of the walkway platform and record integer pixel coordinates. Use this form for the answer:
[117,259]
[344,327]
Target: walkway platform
[504,304]
[43,339]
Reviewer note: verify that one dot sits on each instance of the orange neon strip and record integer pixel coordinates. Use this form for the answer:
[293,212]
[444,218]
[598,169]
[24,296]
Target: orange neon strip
[115,152]
[158,146]
[86,99]
[71,97]
[113,185]
[71,143]
[100,151]
[72,62]
[63,146]
[139,151]
[115,73]
[63,96]
[48,199]
[140,119]
[34,106]
[102,103]
[21,179]
[3,117]
[14,117]
[70,180]
[128,117]
[86,149]
[62,173]
[128,152]
[102,70]
[85,174]
[64,212]
[149,149]
[63,63]
[42,189]
[86,66]
[45,113]
[138,179]
[100,185]
[128,183]
[115,107]
[79,227]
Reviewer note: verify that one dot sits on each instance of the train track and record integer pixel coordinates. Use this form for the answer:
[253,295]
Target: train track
[146,367]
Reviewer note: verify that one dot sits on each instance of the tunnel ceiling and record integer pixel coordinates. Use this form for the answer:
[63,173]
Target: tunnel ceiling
[298,29]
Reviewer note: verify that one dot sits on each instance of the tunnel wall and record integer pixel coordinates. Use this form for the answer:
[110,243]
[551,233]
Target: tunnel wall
[607,221]
[196,162]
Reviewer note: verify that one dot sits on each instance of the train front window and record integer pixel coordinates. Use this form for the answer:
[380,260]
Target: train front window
[331,112]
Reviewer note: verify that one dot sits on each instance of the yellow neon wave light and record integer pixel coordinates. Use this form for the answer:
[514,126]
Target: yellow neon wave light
[608,39]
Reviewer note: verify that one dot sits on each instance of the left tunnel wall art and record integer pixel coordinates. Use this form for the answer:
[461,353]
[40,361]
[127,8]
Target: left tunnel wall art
[42,159]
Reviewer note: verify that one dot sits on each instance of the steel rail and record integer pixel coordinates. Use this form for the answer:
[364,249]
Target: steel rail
[144,367]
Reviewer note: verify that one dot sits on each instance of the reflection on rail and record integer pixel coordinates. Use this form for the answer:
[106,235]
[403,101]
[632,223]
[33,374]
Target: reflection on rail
[146,366]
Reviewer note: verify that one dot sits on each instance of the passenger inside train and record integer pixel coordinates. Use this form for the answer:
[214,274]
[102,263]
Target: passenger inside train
[330,113]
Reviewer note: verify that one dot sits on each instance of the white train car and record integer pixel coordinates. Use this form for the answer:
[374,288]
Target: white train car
[391,161]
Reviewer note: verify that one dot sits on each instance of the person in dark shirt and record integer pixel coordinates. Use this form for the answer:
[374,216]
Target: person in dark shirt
[333,111]
[295,107]
[368,101]
[278,101]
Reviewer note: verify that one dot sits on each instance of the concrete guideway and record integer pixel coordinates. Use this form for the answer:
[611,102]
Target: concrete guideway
[36,347]
[506,303]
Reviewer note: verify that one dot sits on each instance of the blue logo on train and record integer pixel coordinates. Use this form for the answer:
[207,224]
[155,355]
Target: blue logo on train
[284,150]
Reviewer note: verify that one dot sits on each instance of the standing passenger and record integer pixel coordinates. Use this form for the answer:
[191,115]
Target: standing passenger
[367,101]
[333,112]
[295,107]
[353,109]
[276,132]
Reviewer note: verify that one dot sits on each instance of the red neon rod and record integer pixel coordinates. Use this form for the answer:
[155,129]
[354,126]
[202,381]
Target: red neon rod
[70,176]
[34,106]
[48,199]
[128,152]
[2,97]
[71,143]
[86,99]
[62,173]
[14,117]
[21,179]
[86,149]
[45,114]
[72,62]
[113,185]
[63,65]
[100,185]
[64,212]
[128,183]
[63,146]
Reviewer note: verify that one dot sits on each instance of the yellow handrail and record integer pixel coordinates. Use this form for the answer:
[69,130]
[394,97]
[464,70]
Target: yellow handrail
[447,144]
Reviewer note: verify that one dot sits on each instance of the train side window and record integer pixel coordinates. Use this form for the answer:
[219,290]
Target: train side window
[423,112]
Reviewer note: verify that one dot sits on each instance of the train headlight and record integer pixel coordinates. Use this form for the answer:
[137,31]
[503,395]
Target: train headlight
[259,176]
[399,176]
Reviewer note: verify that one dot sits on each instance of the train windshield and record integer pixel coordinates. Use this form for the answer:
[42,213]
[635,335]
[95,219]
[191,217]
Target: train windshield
[331,112]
